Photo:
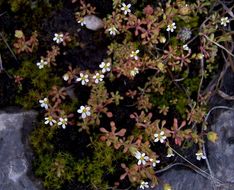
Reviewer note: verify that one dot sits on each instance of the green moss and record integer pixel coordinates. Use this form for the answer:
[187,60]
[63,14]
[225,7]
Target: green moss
[70,106]
[191,85]
[167,98]
[40,139]
[17,4]
[55,170]
[39,82]
[181,105]
[28,100]
[93,170]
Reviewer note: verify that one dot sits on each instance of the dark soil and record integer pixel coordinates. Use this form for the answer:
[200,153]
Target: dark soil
[7,89]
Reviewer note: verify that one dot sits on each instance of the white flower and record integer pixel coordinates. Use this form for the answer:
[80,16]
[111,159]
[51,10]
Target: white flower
[134,71]
[63,122]
[42,63]
[44,103]
[185,47]
[66,77]
[171,27]
[160,137]
[82,22]
[144,184]
[58,38]
[85,111]
[134,54]
[105,67]
[98,77]
[113,31]
[154,162]
[83,78]
[126,8]
[200,155]
[224,21]
[142,158]
[49,120]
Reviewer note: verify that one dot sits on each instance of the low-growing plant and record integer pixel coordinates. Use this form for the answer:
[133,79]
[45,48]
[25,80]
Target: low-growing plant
[147,97]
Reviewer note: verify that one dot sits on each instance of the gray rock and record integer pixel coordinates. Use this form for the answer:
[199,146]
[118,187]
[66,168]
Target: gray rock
[92,22]
[15,154]
[220,156]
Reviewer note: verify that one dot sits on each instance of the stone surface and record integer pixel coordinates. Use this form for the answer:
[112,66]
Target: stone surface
[220,156]
[15,154]
[92,22]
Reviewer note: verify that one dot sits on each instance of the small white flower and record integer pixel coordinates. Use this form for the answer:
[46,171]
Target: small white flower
[98,77]
[113,31]
[185,47]
[171,27]
[83,78]
[144,184]
[142,158]
[63,122]
[66,77]
[134,71]
[160,137]
[44,103]
[105,67]
[134,54]
[42,63]
[200,155]
[82,22]
[224,21]
[58,38]
[154,162]
[85,111]
[49,120]
[126,8]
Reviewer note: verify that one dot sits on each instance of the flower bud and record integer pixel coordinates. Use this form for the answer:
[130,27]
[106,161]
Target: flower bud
[66,77]
[185,10]
[19,34]
[162,39]
[200,56]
